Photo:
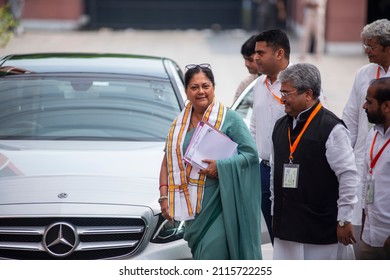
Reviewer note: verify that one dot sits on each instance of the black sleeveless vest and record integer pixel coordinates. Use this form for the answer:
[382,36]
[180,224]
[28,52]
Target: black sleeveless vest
[307,214]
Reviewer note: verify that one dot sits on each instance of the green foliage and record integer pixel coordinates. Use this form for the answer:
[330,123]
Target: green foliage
[7,24]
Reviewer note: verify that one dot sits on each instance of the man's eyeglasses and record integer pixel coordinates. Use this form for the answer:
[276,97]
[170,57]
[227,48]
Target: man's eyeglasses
[288,94]
[369,48]
[201,66]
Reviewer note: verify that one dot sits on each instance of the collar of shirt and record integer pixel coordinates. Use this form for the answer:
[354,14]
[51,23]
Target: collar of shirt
[302,116]
[381,130]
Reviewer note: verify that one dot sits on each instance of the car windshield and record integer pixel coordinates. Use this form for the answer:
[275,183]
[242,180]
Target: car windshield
[69,107]
[244,107]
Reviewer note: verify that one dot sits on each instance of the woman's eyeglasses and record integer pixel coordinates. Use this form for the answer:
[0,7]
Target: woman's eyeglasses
[201,66]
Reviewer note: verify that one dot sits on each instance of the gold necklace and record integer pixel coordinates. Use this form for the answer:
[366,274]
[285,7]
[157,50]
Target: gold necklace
[191,122]
[192,125]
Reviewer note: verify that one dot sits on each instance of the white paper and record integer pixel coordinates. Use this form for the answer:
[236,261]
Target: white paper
[209,143]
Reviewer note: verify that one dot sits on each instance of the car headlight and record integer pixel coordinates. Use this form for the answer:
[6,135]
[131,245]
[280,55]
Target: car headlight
[167,231]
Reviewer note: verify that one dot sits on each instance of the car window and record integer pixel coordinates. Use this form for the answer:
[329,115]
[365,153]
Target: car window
[245,104]
[77,108]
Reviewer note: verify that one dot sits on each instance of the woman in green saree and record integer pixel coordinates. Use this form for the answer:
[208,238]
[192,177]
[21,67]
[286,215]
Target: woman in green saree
[221,204]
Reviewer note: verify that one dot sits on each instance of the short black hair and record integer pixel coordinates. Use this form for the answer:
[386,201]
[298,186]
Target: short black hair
[382,89]
[248,48]
[276,39]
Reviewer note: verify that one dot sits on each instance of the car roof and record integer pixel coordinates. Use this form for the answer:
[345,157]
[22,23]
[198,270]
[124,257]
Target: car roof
[88,63]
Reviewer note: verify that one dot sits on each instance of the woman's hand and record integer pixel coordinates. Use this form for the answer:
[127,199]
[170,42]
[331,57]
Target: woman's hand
[211,170]
[165,210]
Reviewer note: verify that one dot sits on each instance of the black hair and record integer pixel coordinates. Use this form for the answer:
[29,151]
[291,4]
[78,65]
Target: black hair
[248,48]
[276,39]
[382,89]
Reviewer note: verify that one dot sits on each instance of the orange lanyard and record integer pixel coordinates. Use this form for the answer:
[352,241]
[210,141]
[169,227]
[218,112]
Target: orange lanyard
[375,159]
[378,73]
[269,89]
[295,144]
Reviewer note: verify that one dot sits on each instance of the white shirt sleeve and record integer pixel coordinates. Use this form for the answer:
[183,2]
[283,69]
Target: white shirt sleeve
[351,114]
[341,159]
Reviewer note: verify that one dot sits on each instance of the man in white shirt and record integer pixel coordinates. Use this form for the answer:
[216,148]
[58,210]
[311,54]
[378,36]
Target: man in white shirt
[376,192]
[376,42]
[272,56]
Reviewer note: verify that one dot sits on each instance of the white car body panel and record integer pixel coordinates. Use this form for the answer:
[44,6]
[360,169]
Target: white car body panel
[112,179]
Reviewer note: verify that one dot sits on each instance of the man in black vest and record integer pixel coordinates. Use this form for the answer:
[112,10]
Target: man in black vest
[313,172]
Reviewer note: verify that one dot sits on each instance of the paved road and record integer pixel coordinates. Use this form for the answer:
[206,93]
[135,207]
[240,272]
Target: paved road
[221,49]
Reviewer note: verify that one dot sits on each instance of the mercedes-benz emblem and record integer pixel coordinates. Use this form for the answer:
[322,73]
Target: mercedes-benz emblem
[60,239]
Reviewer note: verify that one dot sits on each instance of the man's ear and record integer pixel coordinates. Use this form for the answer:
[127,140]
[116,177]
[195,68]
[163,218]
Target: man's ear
[309,94]
[280,54]
[386,106]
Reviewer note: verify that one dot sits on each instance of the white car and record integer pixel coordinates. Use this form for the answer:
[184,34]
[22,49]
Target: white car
[244,103]
[81,144]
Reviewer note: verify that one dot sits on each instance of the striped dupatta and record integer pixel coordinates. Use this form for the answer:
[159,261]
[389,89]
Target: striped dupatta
[185,185]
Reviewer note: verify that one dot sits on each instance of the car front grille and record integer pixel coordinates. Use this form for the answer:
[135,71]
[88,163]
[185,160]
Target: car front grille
[70,238]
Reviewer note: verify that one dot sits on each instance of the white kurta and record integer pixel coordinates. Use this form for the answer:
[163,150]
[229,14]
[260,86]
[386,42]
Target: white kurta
[266,111]
[356,120]
[377,223]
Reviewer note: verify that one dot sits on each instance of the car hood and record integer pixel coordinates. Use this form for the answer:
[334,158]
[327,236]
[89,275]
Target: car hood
[86,173]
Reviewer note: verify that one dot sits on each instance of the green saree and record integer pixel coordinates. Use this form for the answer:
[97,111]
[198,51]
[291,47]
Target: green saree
[228,226]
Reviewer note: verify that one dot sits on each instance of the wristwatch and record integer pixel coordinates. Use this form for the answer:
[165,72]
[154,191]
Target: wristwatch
[342,223]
